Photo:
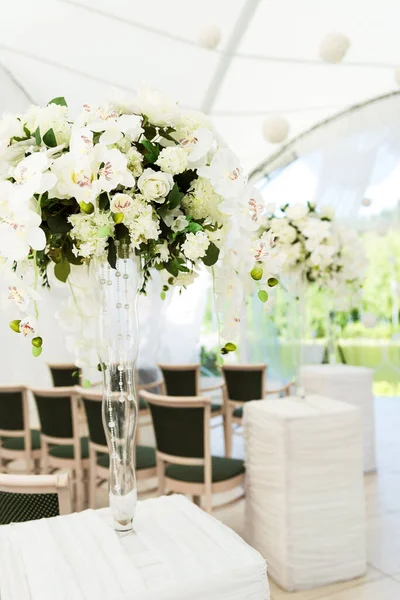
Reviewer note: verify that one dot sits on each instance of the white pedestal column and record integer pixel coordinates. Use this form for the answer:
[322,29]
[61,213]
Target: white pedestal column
[305,496]
[349,384]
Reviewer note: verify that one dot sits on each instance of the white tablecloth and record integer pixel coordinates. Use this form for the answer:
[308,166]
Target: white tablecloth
[305,496]
[177,553]
[349,384]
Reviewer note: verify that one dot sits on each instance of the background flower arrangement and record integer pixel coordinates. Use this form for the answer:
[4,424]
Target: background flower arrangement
[136,173]
[309,243]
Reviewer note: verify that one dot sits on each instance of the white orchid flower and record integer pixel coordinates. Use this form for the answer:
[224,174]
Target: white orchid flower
[106,119]
[20,294]
[19,231]
[81,142]
[225,174]
[30,174]
[76,177]
[114,170]
[197,144]
[28,326]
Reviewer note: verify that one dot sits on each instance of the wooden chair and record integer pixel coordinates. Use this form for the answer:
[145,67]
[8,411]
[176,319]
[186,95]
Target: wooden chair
[244,383]
[31,497]
[17,440]
[184,461]
[64,375]
[184,380]
[62,445]
[145,466]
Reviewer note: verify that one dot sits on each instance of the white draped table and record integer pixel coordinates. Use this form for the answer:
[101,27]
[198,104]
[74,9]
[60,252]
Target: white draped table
[178,552]
[349,384]
[305,498]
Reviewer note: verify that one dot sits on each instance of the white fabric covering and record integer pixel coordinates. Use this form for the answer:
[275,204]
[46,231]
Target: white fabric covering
[349,384]
[305,496]
[178,552]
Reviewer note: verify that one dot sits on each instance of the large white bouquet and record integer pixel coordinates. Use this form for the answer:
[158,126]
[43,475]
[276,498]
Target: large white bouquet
[136,172]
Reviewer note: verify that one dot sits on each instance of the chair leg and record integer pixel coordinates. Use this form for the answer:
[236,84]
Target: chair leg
[208,502]
[92,480]
[161,477]
[45,458]
[79,489]
[36,466]
[228,431]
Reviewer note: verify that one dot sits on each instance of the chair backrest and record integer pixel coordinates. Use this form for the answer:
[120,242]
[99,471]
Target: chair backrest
[181,380]
[181,425]
[58,411]
[92,401]
[12,409]
[64,375]
[245,382]
[31,497]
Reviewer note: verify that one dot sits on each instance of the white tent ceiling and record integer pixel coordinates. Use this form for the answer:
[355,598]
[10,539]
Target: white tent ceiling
[267,60]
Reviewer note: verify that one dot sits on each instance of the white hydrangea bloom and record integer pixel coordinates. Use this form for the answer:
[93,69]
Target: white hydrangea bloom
[201,201]
[173,160]
[53,117]
[91,232]
[195,245]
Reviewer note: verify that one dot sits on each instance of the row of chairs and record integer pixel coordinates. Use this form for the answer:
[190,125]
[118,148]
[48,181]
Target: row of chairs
[181,420]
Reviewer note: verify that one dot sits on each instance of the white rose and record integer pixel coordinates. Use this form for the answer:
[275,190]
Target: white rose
[296,212]
[134,159]
[196,245]
[120,203]
[327,211]
[155,185]
[173,160]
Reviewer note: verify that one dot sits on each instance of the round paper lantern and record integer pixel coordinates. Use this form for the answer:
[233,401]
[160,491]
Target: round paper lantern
[368,320]
[333,47]
[275,129]
[366,202]
[209,36]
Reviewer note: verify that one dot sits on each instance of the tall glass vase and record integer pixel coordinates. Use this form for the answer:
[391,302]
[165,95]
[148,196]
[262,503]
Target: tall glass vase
[118,348]
[297,325]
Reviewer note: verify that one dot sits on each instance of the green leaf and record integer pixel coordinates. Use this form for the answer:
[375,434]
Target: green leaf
[263,295]
[62,270]
[256,273]
[37,342]
[36,351]
[150,132]
[273,281]
[58,224]
[212,255]
[185,180]
[150,151]
[172,267]
[112,253]
[15,325]
[27,132]
[38,137]
[174,198]
[60,100]
[163,295]
[194,227]
[104,202]
[86,383]
[121,231]
[50,139]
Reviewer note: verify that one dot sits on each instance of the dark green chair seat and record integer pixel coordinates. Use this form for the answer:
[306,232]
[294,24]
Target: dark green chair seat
[143,404]
[222,469]
[215,407]
[238,412]
[18,443]
[145,458]
[17,508]
[67,450]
